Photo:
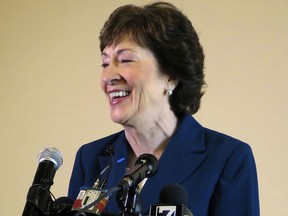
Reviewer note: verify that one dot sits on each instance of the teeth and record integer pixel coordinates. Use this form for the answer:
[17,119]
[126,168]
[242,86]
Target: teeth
[118,94]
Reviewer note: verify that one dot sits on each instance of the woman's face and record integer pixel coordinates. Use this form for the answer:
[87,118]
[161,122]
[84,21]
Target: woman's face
[133,84]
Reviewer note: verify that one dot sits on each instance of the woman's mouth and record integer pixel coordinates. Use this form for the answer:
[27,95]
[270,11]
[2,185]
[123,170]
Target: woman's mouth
[118,95]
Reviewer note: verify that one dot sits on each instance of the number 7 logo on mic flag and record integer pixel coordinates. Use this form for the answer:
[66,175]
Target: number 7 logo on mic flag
[165,211]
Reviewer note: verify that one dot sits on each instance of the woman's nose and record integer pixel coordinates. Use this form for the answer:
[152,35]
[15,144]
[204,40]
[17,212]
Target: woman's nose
[110,75]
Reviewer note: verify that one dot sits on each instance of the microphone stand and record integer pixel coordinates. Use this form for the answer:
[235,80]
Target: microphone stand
[130,203]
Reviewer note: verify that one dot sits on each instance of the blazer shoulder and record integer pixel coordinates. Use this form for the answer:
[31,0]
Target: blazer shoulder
[215,139]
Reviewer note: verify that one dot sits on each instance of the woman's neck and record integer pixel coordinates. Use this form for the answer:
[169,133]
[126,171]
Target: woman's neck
[150,136]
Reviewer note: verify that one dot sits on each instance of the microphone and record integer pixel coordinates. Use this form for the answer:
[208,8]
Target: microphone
[172,202]
[145,166]
[173,194]
[38,200]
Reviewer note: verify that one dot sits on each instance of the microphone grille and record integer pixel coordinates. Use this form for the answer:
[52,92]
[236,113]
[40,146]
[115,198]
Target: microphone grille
[173,194]
[51,154]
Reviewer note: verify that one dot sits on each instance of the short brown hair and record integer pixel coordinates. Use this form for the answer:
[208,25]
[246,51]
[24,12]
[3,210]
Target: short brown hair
[169,34]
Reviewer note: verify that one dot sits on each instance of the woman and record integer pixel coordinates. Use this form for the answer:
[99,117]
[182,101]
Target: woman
[153,79]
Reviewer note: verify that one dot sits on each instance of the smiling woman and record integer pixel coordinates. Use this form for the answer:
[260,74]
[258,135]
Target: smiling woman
[132,92]
[153,78]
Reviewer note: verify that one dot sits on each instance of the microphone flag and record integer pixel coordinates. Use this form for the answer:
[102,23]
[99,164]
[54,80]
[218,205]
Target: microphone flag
[88,195]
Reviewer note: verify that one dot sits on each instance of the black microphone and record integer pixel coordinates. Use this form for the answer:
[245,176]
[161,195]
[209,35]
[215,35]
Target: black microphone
[38,200]
[146,165]
[172,202]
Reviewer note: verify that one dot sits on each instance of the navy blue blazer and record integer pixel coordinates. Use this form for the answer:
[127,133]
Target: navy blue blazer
[218,171]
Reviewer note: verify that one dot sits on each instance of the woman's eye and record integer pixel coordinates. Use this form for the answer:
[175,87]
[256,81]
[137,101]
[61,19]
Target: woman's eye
[104,65]
[125,60]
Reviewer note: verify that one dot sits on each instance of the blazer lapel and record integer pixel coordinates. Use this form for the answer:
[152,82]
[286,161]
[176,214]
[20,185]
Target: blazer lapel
[183,154]
[118,170]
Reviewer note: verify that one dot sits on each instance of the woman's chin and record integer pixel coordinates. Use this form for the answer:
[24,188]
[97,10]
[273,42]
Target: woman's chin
[117,119]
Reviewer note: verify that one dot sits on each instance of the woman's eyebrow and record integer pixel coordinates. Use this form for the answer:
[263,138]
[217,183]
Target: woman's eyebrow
[118,52]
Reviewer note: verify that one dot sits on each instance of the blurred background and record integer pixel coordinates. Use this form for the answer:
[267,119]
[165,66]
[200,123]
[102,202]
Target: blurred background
[50,94]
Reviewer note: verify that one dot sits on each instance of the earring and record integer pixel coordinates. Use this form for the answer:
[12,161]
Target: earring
[169,92]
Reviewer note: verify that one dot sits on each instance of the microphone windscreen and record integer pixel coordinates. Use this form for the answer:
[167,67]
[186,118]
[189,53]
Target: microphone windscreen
[173,194]
[51,154]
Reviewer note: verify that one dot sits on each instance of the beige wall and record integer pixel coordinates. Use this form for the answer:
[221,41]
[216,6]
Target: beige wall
[50,96]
